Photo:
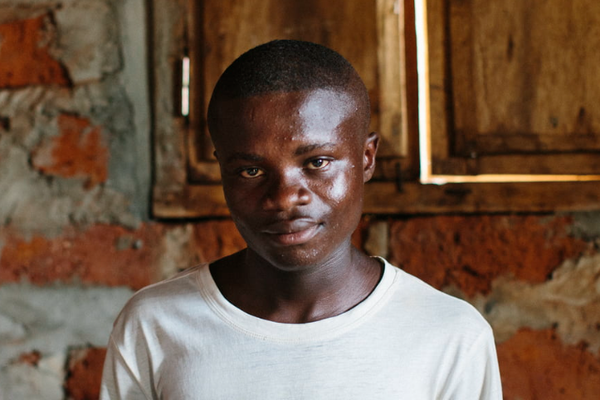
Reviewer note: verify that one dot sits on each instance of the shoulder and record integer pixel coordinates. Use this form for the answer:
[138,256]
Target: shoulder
[159,301]
[431,309]
[182,284]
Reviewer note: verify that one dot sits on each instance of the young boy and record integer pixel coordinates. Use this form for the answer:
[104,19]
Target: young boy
[299,313]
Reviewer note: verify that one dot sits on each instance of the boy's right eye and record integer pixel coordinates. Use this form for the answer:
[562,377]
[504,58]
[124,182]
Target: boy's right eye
[251,172]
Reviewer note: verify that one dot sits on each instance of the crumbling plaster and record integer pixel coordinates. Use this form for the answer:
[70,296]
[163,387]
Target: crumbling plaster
[105,64]
[568,302]
[101,46]
[50,320]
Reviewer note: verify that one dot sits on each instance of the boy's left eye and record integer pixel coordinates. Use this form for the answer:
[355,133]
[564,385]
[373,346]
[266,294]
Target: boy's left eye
[318,163]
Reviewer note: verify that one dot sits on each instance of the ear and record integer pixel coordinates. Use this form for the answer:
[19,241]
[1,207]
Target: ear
[371,145]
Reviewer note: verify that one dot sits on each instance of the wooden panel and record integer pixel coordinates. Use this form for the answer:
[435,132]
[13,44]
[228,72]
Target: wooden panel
[369,33]
[365,32]
[513,77]
[523,73]
[175,197]
[410,165]
[438,86]
[393,124]
[582,164]
[384,198]
[231,27]
[169,27]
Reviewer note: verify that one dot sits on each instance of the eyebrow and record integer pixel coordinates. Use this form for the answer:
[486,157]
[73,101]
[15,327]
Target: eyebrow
[239,155]
[310,147]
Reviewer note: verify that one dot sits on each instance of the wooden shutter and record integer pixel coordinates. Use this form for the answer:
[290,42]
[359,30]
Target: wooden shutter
[214,32]
[514,86]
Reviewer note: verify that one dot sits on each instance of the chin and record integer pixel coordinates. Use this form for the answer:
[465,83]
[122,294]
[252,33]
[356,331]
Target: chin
[293,259]
[302,258]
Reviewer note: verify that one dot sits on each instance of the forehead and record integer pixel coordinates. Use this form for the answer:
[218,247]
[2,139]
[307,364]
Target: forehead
[305,114]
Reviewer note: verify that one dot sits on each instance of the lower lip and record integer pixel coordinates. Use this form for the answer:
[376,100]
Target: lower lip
[295,238]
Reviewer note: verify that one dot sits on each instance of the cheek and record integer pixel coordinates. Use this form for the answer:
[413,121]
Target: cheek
[239,197]
[344,186]
[240,208]
[337,190]
[245,229]
[345,195]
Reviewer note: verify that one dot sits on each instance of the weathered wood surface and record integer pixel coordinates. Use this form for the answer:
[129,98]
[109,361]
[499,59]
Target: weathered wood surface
[365,32]
[533,69]
[169,131]
[177,196]
[514,77]
[213,33]
[415,198]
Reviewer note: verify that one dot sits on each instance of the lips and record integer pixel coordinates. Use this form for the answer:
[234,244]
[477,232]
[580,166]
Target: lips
[293,232]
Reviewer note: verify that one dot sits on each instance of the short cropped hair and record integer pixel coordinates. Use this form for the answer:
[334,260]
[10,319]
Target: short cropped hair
[288,66]
[285,66]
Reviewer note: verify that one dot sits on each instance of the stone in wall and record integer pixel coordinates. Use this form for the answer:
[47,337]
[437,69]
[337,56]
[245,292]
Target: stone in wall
[568,302]
[469,252]
[73,196]
[78,151]
[80,139]
[586,225]
[101,255]
[38,325]
[88,47]
[25,51]
[51,319]
[38,380]
[113,255]
[84,373]
[536,365]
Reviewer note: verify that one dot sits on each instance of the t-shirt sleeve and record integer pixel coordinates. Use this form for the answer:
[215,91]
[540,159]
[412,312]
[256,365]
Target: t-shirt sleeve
[477,377]
[120,380]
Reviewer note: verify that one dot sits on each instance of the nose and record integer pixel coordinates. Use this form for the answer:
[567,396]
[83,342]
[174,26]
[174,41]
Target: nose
[285,193]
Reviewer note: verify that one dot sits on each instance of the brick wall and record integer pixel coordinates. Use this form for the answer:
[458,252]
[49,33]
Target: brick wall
[76,241]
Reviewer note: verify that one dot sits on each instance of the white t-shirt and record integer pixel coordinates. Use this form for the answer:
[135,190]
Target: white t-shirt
[181,339]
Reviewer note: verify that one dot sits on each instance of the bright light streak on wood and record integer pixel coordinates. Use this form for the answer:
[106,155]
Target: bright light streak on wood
[185,86]
[426,175]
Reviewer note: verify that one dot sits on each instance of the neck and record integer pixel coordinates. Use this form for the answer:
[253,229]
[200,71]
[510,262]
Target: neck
[297,295]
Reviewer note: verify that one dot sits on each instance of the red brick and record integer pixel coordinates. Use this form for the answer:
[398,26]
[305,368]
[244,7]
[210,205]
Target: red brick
[78,151]
[85,374]
[471,251]
[103,254]
[24,52]
[216,239]
[32,358]
[535,365]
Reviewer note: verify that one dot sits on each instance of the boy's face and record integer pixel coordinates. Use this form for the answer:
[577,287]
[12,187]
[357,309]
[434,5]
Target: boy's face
[293,168]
